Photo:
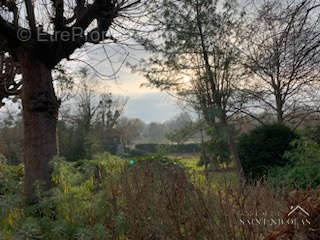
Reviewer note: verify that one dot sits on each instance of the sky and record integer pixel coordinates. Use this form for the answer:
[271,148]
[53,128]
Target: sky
[148,104]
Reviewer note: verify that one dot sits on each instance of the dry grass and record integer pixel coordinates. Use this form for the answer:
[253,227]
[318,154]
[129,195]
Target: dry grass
[159,202]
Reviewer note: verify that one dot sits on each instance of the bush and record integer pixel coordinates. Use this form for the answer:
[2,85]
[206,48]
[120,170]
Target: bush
[313,132]
[11,178]
[76,208]
[304,150]
[305,172]
[11,197]
[262,149]
[302,176]
[157,159]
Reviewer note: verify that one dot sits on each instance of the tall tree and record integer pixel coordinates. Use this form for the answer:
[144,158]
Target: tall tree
[89,128]
[197,60]
[178,121]
[38,35]
[282,53]
[130,129]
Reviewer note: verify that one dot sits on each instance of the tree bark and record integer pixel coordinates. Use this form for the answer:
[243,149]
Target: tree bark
[236,158]
[234,152]
[279,106]
[40,109]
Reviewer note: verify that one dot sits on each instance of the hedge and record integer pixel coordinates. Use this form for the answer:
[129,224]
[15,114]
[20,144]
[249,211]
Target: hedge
[169,148]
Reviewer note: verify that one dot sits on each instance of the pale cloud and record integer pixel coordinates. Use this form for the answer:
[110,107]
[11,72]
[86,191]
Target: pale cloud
[152,107]
[145,103]
[148,104]
[128,84]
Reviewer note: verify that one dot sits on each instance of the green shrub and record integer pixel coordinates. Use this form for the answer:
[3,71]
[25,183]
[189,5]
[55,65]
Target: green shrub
[298,176]
[78,207]
[305,172]
[313,132]
[304,150]
[158,159]
[11,178]
[3,160]
[11,198]
[262,149]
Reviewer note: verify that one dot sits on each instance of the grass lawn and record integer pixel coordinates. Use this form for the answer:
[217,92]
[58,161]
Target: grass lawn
[226,175]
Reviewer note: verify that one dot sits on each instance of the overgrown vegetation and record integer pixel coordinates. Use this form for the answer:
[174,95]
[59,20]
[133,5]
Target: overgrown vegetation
[304,173]
[152,197]
[244,68]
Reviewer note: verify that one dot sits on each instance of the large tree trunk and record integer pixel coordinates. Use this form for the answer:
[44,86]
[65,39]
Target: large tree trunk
[236,158]
[40,108]
[234,151]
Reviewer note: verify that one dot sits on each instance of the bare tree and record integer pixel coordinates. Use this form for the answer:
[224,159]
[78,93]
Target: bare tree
[38,35]
[92,108]
[282,54]
[110,109]
[130,129]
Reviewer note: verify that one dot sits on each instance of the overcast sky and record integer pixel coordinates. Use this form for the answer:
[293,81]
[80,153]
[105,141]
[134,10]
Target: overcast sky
[145,103]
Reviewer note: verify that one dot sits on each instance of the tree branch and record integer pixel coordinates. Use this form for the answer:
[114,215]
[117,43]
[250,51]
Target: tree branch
[86,15]
[8,33]
[31,16]
[59,20]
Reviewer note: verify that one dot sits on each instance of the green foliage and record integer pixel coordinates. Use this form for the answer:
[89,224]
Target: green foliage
[85,204]
[217,148]
[183,133]
[218,178]
[305,172]
[11,178]
[263,148]
[11,197]
[11,138]
[2,159]
[303,150]
[196,34]
[170,148]
[148,197]
[303,176]
[158,159]
[313,133]
[76,208]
